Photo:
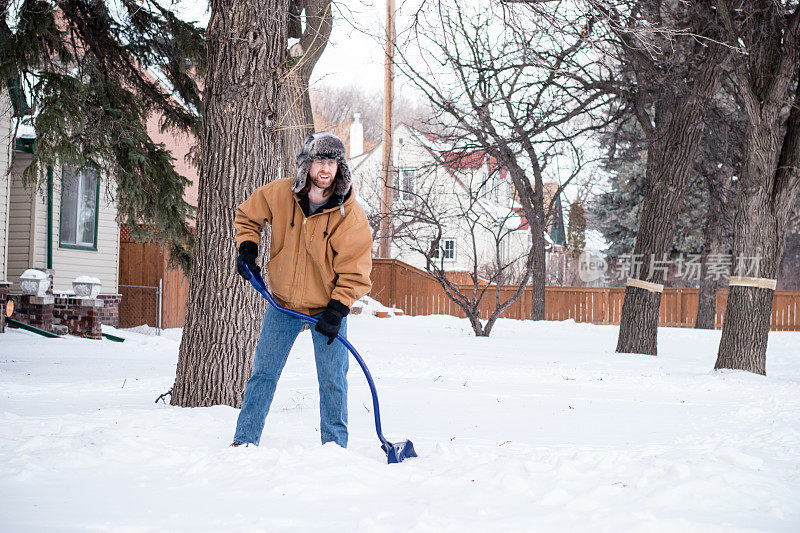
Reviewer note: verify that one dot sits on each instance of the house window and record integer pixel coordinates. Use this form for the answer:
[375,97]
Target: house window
[405,182]
[499,189]
[79,209]
[447,248]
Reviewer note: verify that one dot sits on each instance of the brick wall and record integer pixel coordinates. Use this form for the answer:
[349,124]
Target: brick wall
[109,313]
[36,311]
[3,297]
[81,316]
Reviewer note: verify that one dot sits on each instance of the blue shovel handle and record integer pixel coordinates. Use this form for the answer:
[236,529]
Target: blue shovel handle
[258,283]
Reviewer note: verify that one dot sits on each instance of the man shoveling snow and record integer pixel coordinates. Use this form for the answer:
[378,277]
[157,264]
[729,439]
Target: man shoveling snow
[320,262]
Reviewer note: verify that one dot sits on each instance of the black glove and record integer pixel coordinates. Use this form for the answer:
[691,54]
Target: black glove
[248,251]
[331,319]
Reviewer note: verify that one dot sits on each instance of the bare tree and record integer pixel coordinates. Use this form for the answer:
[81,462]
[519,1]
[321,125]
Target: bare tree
[670,62]
[765,37]
[505,81]
[310,21]
[445,199]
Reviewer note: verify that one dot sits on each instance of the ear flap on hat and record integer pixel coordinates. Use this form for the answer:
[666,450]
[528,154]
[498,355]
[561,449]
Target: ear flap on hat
[343,185]
[303,164]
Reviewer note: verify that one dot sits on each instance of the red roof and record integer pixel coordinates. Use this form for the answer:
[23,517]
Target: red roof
[523,220]
[471,160]
[462,160]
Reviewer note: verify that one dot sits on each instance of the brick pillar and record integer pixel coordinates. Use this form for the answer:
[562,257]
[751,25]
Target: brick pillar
[109,313]
[3,297]
[80,316]
[36,311]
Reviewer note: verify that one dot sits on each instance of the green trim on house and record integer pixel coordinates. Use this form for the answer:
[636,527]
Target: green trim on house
[18,99]
[49,216]
[96,219]
[24,144]
[112,337]
[17,324]
[15,92]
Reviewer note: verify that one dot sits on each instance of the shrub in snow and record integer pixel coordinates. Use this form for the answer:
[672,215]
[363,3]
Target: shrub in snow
[34,282]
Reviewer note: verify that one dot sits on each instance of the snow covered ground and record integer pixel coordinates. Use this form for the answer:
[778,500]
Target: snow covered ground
[539,428]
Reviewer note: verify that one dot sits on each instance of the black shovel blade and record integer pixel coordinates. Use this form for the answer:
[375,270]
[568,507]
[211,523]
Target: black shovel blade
[396,453]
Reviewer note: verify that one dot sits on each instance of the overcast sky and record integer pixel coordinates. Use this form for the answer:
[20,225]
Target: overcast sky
[353,54]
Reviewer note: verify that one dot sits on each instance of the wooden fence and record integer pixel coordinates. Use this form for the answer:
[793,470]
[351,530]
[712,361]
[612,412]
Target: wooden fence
[398,284]
[143,264]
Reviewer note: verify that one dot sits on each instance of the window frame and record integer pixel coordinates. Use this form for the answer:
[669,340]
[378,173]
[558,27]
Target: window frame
[76,246]
[400,192]
[441,251]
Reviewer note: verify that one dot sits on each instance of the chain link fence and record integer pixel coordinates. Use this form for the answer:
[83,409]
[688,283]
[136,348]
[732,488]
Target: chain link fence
[140,305]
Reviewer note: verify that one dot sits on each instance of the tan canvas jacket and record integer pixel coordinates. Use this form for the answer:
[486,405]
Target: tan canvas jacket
[312,260]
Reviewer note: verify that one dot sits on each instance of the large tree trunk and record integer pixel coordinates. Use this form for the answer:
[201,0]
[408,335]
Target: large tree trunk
[769,186]
[747,316]
[770,177]
[242,103]
[669,160]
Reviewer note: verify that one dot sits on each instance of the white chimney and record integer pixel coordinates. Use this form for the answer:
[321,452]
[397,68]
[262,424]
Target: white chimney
[356,136]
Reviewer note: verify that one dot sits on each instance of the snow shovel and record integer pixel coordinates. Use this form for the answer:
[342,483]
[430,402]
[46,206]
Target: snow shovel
[395,453]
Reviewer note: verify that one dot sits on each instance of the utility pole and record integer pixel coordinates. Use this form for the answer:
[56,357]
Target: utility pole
[388,97]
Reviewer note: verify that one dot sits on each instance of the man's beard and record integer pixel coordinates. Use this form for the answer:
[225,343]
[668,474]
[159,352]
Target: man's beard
[316,182]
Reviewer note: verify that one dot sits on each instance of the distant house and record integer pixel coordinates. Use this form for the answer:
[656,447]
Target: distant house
[65,223]
[450,182]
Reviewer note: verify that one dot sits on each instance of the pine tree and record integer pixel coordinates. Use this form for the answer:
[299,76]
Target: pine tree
[94,75]
[615,212]
[576,233]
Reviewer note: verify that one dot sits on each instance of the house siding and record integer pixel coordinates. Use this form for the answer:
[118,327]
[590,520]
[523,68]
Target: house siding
[39,227]
[5,180]
[102,263]
[28,236]
[5,185]
[20,222]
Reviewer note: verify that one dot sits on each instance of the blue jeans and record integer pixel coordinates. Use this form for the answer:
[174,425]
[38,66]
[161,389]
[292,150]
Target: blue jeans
[278,333]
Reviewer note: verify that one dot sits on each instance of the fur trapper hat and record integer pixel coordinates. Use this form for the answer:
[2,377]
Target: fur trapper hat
[323,145]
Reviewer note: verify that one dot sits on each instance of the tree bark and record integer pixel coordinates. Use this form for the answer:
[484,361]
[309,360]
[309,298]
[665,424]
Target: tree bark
[770,178]
[707,295]
[669,161]
[712,245]
[769,186]
[537,226]
[673,147]
[747,315]
[242,104]
[532,202]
